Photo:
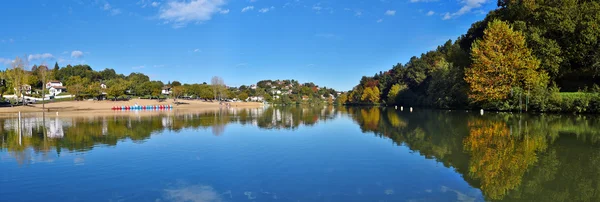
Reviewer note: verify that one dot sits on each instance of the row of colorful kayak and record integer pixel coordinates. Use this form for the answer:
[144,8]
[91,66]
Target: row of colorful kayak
[149,107]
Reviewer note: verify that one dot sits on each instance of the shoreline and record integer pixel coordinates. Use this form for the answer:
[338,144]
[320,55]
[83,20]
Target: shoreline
[87,107]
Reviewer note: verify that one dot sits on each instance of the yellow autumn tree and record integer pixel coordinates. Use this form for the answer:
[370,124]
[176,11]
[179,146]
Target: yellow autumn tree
[502,61]
[500,159]
[370,94]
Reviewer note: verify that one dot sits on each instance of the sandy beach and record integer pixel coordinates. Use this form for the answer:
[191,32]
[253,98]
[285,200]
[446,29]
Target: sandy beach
[99,106]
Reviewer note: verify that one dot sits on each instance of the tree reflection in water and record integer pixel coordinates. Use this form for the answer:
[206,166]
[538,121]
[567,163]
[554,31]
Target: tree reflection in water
[512,157]
[40,136]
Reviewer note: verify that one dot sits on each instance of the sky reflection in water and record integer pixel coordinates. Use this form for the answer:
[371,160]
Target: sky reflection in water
[301,154]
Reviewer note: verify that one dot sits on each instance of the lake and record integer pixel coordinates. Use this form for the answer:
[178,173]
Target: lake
[301,154]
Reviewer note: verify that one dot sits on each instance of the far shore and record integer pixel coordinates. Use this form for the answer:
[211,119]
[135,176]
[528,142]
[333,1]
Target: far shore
[106,105]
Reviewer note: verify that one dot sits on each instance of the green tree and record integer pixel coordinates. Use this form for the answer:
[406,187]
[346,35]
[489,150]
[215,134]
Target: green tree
[18,76]
[177,92]
[54,74]
[77,85]
[243,96]
[502,61]
[342,99]
[93,89]
[394,91]
[116,88]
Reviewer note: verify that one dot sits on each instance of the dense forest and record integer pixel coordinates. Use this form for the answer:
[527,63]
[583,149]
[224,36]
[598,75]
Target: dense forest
[537,55]
[85,83]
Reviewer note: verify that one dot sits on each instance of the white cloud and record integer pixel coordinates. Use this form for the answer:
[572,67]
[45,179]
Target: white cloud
[247,8]
[155,4]
[76,54]
[139,67]
[264,10]
[380,20]
[196,50]
[430,13]
[390,12]
[182,13]
[446,16]
[358,13]
[115,11]
[251,1]
[111,10]
[5,61]
[317,8]
[468,6]
[224,11]
[40,56]
[415,1]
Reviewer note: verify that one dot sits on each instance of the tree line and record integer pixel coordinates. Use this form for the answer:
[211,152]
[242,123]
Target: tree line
[83,82]
[525,55]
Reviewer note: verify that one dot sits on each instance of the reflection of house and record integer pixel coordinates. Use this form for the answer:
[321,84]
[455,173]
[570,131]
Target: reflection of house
[55,90]
[25,89]
[166,90]
[53,83]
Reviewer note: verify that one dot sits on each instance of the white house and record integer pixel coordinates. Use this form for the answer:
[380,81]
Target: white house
[53,83]
[255,99]
[253,87]
[55,90]
[25,89]
[166,90]
[103,87]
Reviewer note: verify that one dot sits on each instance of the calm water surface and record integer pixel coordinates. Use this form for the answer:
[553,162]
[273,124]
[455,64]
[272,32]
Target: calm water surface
[301,154]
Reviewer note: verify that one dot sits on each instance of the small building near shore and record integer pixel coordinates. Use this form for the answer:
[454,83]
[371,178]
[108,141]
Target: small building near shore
[55,90]
[53,83]
[255,99]
[166,90]
[25,89]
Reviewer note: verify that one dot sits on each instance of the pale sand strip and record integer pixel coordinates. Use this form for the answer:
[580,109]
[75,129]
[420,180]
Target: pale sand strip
[104,107]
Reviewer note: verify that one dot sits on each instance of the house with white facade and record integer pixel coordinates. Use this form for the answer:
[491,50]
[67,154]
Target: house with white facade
[55,90]
[255,99]
[166,90]
[53,83]
[25,89]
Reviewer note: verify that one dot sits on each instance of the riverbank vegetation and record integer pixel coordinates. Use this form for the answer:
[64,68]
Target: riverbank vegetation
[83,82]
[525,55]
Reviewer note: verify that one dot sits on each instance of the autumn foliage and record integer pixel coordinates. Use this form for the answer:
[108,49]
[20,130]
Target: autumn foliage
[501,62]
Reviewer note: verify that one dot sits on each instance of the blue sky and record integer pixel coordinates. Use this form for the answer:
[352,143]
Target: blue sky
[331,43]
